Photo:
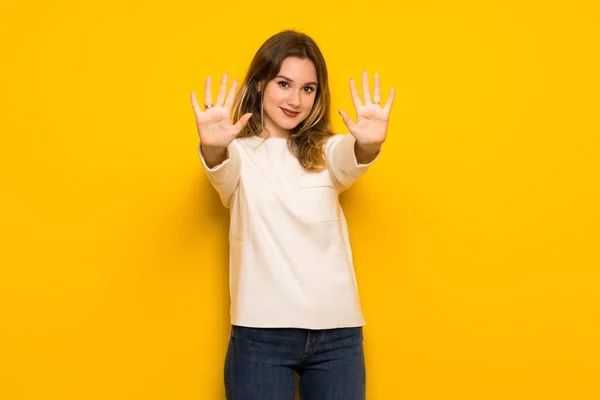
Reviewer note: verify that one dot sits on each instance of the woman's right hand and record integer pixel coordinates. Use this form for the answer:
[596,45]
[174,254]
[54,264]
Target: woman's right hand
[215,128]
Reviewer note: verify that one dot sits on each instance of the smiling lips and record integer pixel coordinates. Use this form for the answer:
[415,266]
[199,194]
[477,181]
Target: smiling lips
[289,113]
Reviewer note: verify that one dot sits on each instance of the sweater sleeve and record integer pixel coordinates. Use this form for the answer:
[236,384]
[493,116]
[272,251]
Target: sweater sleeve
[342,163]
[224,177]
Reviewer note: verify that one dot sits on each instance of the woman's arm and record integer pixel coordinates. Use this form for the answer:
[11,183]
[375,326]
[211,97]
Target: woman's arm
[345,160]
[217,149]
[349,156]
[366,154]
[223,168]
[213,156]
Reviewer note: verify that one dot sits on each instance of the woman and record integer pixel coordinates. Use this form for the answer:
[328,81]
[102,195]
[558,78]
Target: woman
[279,168]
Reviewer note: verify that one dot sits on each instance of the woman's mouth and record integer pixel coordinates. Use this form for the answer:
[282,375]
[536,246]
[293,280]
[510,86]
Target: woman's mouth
[289,113]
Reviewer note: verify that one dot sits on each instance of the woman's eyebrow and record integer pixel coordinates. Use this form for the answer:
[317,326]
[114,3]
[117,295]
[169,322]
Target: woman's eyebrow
[288,79]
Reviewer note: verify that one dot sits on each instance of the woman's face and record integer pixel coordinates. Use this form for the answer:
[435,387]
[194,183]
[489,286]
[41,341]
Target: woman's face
[288,98]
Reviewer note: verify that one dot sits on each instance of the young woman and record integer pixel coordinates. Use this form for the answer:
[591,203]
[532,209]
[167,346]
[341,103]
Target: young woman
[270,154]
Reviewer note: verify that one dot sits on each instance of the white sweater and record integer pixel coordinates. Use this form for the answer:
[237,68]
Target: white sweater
[290,260]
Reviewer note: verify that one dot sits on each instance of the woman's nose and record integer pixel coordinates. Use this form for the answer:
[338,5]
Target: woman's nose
[294,98]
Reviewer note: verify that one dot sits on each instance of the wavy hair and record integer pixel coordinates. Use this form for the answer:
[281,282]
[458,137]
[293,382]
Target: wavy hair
[308,137]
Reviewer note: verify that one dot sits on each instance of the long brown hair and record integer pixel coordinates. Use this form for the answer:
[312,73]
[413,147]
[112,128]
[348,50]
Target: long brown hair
[307,139]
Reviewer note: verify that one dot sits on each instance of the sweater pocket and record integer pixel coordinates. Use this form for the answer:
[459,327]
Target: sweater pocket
[319,197]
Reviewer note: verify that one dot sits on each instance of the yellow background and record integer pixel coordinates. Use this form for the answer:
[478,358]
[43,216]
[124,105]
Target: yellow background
[475,235]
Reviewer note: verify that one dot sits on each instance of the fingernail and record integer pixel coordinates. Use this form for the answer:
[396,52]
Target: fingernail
[340,112]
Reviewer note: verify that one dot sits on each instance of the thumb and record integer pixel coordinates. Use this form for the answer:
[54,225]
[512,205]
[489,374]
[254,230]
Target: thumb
[347,120]
[242,122]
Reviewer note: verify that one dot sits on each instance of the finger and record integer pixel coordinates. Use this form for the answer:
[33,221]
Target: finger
[231,95]
[195,105]
[376,91]
[354,94]
[390,101]
[222,90]
[208,91]
[349,123]
[366,89]
[242,122]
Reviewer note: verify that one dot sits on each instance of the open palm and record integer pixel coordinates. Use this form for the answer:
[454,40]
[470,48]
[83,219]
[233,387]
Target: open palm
[215,128]
[371,124]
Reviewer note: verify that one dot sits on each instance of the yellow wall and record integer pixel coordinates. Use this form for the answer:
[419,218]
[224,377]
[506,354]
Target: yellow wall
[475,235]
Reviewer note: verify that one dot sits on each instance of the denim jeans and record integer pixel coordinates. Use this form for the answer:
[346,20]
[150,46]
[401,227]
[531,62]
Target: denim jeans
[260,364]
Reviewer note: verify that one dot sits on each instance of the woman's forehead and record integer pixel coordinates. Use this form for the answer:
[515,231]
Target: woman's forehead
[298,69]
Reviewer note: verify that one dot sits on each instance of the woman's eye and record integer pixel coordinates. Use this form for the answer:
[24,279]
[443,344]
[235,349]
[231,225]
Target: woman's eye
[283,84]
[309,89]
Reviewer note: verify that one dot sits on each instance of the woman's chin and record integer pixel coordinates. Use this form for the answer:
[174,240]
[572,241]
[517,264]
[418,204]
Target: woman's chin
[288,124]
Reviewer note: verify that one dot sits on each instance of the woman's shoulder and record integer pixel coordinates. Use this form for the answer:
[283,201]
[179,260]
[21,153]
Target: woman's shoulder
[334,138]
[248,141]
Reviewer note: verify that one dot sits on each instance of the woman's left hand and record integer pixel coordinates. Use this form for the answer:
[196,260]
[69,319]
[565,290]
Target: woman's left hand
[371,124]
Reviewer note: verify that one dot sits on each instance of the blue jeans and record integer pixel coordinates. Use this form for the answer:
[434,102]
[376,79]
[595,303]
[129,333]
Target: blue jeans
[260,364]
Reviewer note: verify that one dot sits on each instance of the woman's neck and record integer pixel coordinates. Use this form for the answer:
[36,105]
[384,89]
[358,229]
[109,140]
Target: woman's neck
[275,135]
[270,131]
